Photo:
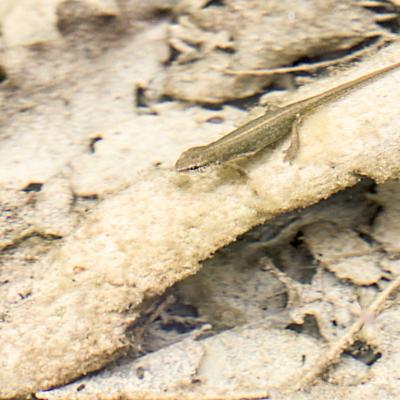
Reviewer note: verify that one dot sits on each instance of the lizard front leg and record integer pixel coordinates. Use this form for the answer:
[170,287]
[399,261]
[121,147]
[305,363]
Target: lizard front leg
[291,151]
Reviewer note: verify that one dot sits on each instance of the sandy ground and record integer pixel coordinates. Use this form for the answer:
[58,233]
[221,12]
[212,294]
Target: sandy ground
[122,278]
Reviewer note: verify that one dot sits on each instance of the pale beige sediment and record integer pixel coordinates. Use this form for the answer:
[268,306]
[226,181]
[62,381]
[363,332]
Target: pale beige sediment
[154,233]
[70,318]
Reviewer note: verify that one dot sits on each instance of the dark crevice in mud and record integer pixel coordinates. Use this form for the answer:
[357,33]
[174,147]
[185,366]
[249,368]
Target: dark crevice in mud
[308,327]
[364,352]
[3,74]
[214,3]
[33,187]
[92,143]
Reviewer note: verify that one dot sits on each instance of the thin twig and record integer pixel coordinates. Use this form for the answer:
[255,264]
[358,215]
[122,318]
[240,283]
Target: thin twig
[308,67]
[370,3]
[292,287]
[331,356]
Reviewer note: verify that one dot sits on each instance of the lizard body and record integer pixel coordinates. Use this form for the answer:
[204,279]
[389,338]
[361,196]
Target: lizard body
[267,129]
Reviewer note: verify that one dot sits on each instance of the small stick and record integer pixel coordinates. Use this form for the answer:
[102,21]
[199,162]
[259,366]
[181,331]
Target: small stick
[331,356]
[307,67]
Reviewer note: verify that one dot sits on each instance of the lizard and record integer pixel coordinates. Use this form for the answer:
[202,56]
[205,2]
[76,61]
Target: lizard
[259,133]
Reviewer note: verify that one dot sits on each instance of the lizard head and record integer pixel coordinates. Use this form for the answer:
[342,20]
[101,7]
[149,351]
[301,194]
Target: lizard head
[192,159]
